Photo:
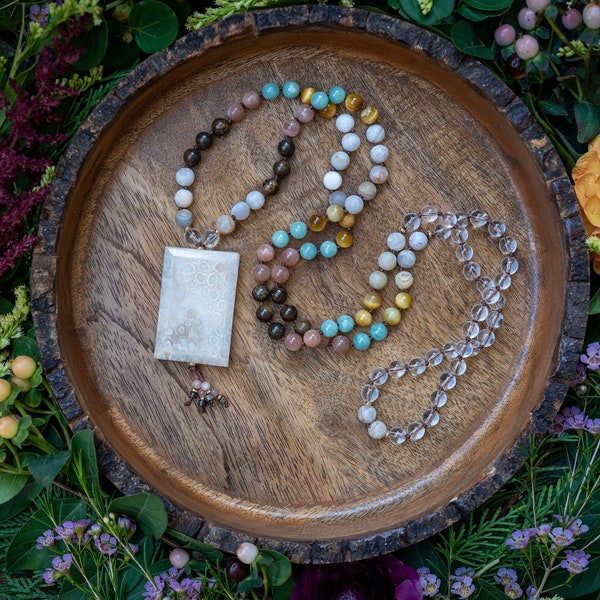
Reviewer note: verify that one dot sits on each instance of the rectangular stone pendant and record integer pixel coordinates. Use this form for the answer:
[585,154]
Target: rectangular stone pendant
[197,298]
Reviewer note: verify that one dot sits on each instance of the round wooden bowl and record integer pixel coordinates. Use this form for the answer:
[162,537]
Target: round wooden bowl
[287,464]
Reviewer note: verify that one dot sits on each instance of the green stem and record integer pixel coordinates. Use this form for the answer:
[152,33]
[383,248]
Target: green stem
[15,454]
[19,48]
[265,578]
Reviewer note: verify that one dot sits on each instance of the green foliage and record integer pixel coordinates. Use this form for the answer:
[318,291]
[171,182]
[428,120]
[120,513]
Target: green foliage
[154,25]
[147,509]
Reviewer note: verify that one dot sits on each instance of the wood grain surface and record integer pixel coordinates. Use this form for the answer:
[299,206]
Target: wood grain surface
[287,462]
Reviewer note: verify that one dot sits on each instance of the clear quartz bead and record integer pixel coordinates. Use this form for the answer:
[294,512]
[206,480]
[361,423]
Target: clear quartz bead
[417,366]
[415,430]
[462,219]
[459,236]
[449,350]
[483,283]
[434,357]
[369,393]
[397,435]
[496,228]
[458,366]
[378,376]
[486,338]
[193,237]
[210,239]
[431,417]
[447,381]
[490,295]
[502,281]
[479,312]
[438,398]
[470,329]
[412,221]
[478,218]
[471,271]
[464,253]
[429,214]
[495,319]
[464,349]
[509,265]
[396,368]
[500,303]
[507,244]
[448,218]
[442,231]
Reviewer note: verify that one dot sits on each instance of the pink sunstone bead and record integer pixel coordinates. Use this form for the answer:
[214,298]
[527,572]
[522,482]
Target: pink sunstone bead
[236,112]
[305,113]
[290,257]
[265,253]
[251,100]
[279,273]
[292,342]
[340,344]
[261,273]
[291,128]
[196,384]
[312,338]
[324,341]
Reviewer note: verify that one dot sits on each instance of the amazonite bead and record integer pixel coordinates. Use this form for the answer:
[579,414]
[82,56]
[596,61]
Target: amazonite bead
[319,100]
[340,160]
[361,341]
[291,89]
[345,323]
[183,198]
[184,177]
[354,204]
[328,249]
[240,210]
[387,261]
[280,239]
[378,280]
[378,331]
[375,134]
[396,241]
[298,230]
[345,123]
[336,94]
[329,328]
[270,91]
[255,200]
[308,251]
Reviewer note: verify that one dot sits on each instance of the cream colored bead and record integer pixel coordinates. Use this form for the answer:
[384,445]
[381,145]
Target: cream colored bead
[225,224]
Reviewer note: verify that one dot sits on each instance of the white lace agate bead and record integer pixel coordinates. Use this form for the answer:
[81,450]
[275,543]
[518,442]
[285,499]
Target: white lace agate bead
[255,200]
[340,160]
[184,177]
[332,180]
[387,261]
[353,204]
[367,190]
[345,123]
[404,280]
[396,241]
[418,240]
[375,133]
[183,198]
[406,259]
[351,142]
[377,430]
[225,224]
[380,153]
[379,174]
[378,280]
[240,210]
[367,413]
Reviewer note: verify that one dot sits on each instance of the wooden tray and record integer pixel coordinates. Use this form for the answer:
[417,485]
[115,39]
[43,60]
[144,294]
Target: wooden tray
[287,464]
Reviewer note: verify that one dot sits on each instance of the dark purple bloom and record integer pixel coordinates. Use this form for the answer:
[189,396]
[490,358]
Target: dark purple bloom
[381,578]
[46,540]
[519,539]
[513,589]
[592,426]
[575,418]
[107,544]
[576,561]
[591,358]
[505,576]
[430,583]
[62,563]
[39,13]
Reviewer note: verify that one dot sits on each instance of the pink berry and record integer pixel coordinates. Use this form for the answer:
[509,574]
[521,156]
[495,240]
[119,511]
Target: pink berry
[505,35]
[527,18]
[571,19]
[591,15]
[526,47]
[537,5]
[247,553]
[179,557]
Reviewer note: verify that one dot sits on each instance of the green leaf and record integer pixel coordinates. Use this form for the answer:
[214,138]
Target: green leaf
[148,511]
[25,346]
[209,552]
[10,485]
[82,446]
[489,5]
[471,14]
[553,108]
[33,398]
[280,568]
[181,8]
[45,468]
[19,502]
[463,37]
[95,42]
[490,592]
[440,10]
[154,569]
[22,554]
[283,592]
[120,54]
[23,433]
[595,304]
[154,25]
[588,121]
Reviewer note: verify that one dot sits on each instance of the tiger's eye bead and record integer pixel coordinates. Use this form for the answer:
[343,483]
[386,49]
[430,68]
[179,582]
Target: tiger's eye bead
[302,326]
[264,313]
[329,111]
[306,94]
[288,312]
[276,330]
[270,186]
[348,221]
[392,315]
[278,294]
[286,148]
[369,115]
[220,127]
[317,222]
[363,318]
[191,157]
[353,102]
[335,213]
[403,300]
[204,140]
[372,300]
[344,239]
[260,292]
[281,169]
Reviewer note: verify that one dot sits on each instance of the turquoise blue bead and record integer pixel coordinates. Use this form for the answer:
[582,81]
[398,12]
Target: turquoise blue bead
[270,91]
[291,89]
[361,341]
[336,94]
[298,230]
[308,251]
[329,328]
[345,323]
[319,100]
[328,249]
[280,239]
[378,331]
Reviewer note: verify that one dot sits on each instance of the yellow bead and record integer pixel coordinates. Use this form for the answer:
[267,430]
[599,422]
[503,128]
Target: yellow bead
[317,222]
[329,111]
[372,300]
[335,213]
[348,221]
[403,300]
[392,315]
[306,94]
[353,102]
[363,318]
[344,238]
[369,115]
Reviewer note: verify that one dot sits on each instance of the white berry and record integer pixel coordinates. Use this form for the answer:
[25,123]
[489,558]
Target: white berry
[247,553]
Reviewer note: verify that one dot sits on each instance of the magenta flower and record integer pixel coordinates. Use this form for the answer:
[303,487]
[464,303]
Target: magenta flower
[576,561]
[591,358]
[381,578]
[519,539]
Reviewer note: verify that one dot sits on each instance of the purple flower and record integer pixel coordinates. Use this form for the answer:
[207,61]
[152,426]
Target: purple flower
[575,418]
[429,582]
[62,563]
[462,586]
[126,526]
[39,14]
[591,358]
[380,578]
[505,576]
[519,539]
[50,576]
[95,530]
[576,561]
[562,537]
[530,591]
[66,531]
[513,590]
[576,526]
[592,426]
[107,544]
[46,540]
[153,590]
